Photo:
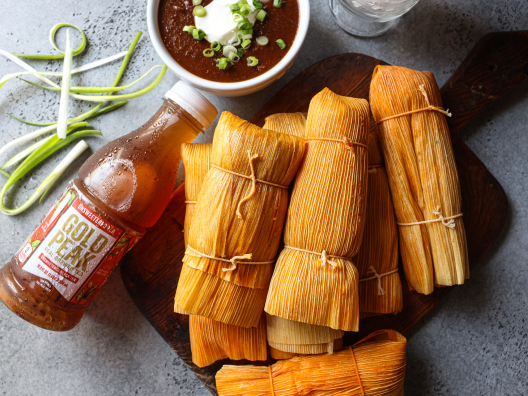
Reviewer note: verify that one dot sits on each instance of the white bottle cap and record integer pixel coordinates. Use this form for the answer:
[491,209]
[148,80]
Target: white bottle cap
[193,102]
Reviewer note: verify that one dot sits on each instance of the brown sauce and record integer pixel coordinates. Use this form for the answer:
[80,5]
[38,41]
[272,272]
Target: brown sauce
[280,23]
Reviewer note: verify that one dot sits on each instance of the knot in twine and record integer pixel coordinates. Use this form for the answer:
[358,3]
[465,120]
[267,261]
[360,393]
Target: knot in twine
[253,179]
[429,107]
[325,259]
[449,224]
[375,275]
[234,260]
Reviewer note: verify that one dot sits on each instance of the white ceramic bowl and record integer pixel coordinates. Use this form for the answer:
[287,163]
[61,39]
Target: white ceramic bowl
[229,89]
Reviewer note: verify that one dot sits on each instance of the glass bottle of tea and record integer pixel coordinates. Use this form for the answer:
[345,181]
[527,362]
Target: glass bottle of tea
[122,189]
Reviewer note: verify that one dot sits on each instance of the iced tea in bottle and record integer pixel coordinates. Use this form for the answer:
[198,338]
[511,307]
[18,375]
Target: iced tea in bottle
[122,189]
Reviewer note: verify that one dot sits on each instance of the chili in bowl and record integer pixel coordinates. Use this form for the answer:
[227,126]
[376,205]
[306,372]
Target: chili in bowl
[228,47]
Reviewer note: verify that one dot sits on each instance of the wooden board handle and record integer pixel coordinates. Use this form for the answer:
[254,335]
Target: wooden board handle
[497,64]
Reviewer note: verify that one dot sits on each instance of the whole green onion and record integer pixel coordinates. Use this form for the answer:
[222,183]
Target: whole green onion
[199,11]
[261,15]
[281,43]
[252,61]
[198,34]
[246,43]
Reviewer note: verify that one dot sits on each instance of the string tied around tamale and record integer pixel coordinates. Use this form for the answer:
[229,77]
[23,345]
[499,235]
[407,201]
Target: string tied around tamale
[346,141]
[372,168]
[325,257]
[234,260]
[429,107]
[449,221]
[357,370]
[191,202]
[271,381]
[375,275]
[254,181]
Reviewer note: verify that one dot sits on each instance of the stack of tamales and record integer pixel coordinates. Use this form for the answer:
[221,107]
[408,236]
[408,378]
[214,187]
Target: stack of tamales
[212,340]
[373,366]
[288,338]
[315,280]
[380,290]
[236,227]
[422,174]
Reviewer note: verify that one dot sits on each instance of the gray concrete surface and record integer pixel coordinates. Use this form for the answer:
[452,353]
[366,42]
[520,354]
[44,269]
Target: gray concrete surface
[473,343]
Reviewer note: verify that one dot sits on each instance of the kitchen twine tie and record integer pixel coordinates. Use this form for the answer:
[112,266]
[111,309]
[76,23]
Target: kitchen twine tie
[325,257]
[381,292]
[271,382]
[253,179]
[233,261]
[444,220]
[357,370]
[429,107]
[346,141]
[372,168]
[191,202]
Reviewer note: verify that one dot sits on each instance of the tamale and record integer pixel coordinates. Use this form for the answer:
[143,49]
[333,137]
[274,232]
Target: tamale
[236,227]
[423,179]
[212,341]
[380,290]
[375,366]
[289,123]
[196,160]
[315,280]
[296,337]
[277,354]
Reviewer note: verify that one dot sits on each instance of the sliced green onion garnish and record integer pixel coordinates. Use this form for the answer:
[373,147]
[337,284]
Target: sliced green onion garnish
[208,53]
[277,3]
[236,40]
[240,52]
[198,34]
[252,61]
[257,4]
[199,11]
[234,7]
[197,2]
[245,10]
[244,25]
[262,40]
[247,36]
[247,31]
[233,56]
[215,46]
[228,49]
[242,2]
[53,32]
[238,18]
[281,43]
[261,15]
[246,43]
[189,29]
[221,63]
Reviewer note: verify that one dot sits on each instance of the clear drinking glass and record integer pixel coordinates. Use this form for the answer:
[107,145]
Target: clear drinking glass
[369,18]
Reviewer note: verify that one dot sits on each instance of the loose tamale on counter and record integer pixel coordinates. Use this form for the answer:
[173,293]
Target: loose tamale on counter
[380,290]
[212,340]
[315,280]
[375,366]
[238,221]
[422,174]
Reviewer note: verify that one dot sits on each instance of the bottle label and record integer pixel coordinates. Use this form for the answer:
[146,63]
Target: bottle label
[74,250]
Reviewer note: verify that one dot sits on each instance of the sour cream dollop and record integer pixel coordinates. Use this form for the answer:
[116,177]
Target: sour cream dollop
[218,21]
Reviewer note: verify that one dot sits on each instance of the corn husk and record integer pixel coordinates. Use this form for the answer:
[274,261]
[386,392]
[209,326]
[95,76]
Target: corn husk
[422,175]
[212,341]
[326,213]
[277,354]
[380,360]
[379,248]
[237,296]
[296,337]
[289,123]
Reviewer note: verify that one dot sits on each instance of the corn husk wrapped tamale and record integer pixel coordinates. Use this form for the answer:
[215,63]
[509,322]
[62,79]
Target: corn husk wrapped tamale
[380,290]
[289,123]
[326,216]
[375,366]
[422,175]
[196,160]
[288,338]
[212,341]
[236,217]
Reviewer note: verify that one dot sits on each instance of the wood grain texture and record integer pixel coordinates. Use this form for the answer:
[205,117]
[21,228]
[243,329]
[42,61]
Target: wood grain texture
[497,64]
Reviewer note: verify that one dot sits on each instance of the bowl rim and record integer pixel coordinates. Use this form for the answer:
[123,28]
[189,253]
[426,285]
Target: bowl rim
[274,73]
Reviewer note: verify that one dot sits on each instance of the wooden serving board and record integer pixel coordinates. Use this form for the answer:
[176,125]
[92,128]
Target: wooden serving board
[497,64]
